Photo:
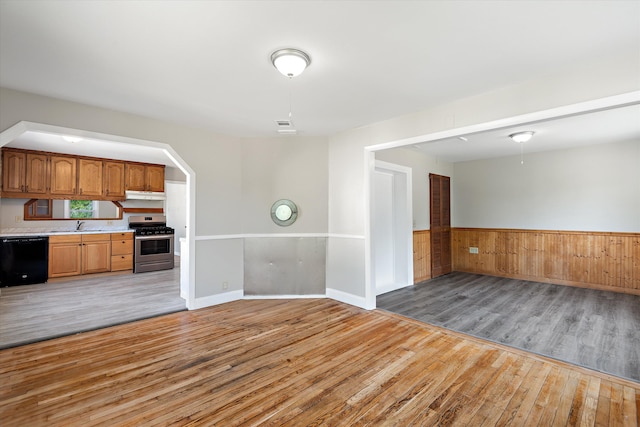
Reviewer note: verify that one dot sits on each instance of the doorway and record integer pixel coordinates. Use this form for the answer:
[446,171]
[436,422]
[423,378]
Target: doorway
[391,227]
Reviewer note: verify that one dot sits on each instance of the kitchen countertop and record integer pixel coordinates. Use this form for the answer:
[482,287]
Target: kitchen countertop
[30,233]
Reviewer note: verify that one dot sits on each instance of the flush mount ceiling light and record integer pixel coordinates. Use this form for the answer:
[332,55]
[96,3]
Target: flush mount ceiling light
[521,136]
[71,139]
[290,62]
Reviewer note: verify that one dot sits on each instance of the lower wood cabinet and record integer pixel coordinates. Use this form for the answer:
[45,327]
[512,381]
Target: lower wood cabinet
[121,251]
[96,253]
[75,254]
[65,255]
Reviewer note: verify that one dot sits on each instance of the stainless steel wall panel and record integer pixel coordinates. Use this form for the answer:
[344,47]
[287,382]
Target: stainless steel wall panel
[284,265]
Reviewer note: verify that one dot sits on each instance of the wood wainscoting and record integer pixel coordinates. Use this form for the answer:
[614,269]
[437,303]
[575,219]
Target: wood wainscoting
[421,255]
[599,260]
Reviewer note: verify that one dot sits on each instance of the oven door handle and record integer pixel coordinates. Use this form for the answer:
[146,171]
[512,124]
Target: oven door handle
[155,237]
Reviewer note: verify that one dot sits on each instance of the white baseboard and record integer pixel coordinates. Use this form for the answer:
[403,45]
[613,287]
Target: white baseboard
[238,295]
[284,296]
[216,299]
[348,298]
[391,287]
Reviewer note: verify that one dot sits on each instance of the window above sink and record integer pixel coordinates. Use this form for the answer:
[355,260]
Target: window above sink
[46,209]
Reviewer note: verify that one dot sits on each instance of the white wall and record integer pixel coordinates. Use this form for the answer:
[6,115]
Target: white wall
[595,188]
[292,168]
[175,209]
[422,165]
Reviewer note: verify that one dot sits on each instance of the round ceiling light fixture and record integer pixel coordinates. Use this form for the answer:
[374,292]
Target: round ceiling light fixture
[521,136]
[72,139]
[290,62]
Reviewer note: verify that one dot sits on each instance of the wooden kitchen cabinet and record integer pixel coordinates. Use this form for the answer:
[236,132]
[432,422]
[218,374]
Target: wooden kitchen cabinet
[154,176]
[44,175]
[65,255]
[24,173]
[89,178]
[37,177]
[76,254]
[96,253]
[121,251]
[113,186]
[14,166]
[144,177]
[63,175]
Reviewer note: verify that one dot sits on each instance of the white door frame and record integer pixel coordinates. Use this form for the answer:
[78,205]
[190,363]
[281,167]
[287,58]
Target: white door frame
[402,224]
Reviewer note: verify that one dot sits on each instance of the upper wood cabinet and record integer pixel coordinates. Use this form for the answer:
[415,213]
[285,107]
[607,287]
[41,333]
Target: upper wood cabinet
[24,173]
[89,178]
[113,186]
[37,177]
[154,176]
[14,167]
[42,175]
[63,175]
[142,177]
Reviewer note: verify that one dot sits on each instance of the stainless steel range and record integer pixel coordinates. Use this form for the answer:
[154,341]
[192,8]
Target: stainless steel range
[153,243]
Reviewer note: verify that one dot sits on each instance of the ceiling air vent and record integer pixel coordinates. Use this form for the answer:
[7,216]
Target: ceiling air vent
[284,123]
[285,127]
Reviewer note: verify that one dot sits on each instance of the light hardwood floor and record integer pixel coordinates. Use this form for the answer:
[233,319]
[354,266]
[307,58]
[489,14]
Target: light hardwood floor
[68,306]
[298,363]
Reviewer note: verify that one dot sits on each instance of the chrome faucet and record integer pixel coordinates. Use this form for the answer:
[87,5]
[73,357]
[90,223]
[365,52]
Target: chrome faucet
[78,225]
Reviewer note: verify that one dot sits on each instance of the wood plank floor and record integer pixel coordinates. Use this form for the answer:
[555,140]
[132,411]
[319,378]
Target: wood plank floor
[596,329]
[36,312]
[297,363]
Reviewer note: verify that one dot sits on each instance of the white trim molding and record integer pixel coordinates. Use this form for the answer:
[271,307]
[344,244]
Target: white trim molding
[267,235]
[347,298]
[216,299]
[310,296]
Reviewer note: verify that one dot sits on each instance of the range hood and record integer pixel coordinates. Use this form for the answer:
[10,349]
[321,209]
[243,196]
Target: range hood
[145,195]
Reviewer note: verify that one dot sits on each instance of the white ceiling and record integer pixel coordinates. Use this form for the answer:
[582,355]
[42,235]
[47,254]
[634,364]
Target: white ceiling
[206,63]
[43,141]
[615,125]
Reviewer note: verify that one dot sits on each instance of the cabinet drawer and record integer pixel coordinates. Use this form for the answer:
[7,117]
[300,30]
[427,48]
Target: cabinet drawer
[65,238]
[127,235]
[121,247]
[95,237]
[121,262]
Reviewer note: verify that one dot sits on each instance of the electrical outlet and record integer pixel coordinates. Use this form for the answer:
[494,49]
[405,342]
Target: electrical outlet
[225,285]
[473,250]
[109,222]
[18,218]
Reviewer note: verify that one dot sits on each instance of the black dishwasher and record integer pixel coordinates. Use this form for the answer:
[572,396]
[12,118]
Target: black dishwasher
[24,260]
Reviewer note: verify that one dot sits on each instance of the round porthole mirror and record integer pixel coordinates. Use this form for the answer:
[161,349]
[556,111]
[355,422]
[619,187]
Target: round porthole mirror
[284,212]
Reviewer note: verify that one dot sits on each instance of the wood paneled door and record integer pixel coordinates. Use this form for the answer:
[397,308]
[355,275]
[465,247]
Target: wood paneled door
[440,220]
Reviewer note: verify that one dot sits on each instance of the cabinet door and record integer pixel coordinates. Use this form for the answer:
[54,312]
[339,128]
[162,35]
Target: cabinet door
[63,175]
[135,177]
[155,178]
[114,180]
[13,171]
[65,259]
[37,177]
[96,257]
[90,177]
